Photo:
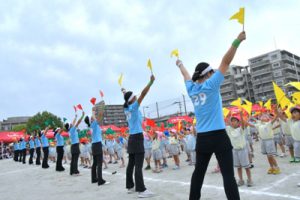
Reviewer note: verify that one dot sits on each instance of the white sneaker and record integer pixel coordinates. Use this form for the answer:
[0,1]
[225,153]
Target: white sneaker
[131,191]
[282,155]
[146,194]
[106,183]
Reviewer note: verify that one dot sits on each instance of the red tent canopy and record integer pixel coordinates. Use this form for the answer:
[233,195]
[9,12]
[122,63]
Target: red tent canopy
[50,134]
[9,136]
[176,119]
[112,127]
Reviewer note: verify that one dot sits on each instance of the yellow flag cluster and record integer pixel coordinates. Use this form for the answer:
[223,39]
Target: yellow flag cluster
[226,112]
[268,104]
[239,16]
[247,107]
[294,84]
[237,103]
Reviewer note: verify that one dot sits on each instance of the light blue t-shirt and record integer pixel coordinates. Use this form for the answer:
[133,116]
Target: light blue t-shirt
[59,140]
[31,144]
[96,132]
[16,146]
[23,145]
[73,135]
[207,102]
[37,142]
[44,140]
[134,118]
[20,145]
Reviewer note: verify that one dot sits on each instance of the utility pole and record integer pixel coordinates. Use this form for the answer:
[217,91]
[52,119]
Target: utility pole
[157,110]
[184,103]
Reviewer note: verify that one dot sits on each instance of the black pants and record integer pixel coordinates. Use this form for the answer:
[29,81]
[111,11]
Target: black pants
[45,158]
[136,160]
[60,155]
[38,156]
[24,156]
[75,151]
[31,152]
[21,155]
[16,155]
[96,171]
[216,142]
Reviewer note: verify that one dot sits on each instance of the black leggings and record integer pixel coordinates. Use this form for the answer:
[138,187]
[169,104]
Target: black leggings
[24,156]
[45,158]
[31,152]
[60,155]
[38,156]
[16,155]
[96,171]
[75,151]
[216,142]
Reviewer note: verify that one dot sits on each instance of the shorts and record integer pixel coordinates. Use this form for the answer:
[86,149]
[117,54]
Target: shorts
[250,139]
[120,154]
[111,151]
[174,150]
[278,139]
[297,149]
[147,153]
[241,158]
[157,155]
[289,141]
[163,153]
[268,147]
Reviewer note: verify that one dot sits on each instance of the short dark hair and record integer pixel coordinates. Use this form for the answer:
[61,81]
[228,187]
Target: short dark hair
[198,70]
[127,95]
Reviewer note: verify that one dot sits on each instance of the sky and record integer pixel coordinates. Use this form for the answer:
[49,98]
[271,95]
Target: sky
[59,53]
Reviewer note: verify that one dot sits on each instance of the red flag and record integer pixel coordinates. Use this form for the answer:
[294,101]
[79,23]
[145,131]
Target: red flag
[75,108]
[101,94]
[79,107]
[93,101]
[150,122]
[162,127]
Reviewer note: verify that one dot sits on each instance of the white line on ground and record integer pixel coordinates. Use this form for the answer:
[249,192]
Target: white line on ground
[271,194]
[279,182]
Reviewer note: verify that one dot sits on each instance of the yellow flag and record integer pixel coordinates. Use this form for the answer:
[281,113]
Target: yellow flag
[282,100]
[240,16]
[268,104]
[294,84]
[261,103]
[194,121]
[226,112]
[237,103]
[149,65]
[120,81]
[296,97]
[248,107]
[175,53]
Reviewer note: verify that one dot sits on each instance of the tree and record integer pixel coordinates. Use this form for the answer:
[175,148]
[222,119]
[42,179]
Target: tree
[19,127]
[41,120]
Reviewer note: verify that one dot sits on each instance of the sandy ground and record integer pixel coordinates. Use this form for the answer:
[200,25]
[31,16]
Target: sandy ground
[24,182]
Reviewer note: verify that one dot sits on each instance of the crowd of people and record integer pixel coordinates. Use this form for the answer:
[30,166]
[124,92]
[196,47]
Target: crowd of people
[230,140]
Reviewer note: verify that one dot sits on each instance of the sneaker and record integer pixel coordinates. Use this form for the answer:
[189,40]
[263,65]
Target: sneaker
[116,162]
[282,155]
[105,183]
[249,183]
[251,166]
[145,194]
[157,170]
[270,171]
[297,160]
[240,183]
[276,171]
[292,160]
[148,167]
[130,191]
[176,167]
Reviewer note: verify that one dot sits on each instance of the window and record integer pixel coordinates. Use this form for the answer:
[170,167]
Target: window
[277,73]
[275,65]
[274,57]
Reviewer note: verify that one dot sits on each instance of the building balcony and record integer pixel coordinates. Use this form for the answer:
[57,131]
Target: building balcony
[261,72]
[240,83]
[259,64]
[227,89]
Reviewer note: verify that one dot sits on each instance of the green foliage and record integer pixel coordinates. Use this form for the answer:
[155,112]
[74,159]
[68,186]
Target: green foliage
[42,120]
[19,127]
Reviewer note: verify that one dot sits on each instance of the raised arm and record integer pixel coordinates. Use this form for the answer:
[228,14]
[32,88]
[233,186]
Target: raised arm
[183,70]
[79,121]
[146,90]
[228,57]
[74,120]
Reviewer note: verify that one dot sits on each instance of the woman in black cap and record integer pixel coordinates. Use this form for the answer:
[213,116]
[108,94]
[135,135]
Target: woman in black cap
[204,91]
